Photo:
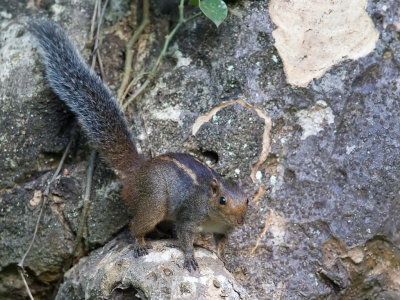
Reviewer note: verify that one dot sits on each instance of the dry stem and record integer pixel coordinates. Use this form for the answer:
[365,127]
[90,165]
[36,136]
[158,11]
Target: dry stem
[129,50]
[45,196]
[151,75]
[86,204]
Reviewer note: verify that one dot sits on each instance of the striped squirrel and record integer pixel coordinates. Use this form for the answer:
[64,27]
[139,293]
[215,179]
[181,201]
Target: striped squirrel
[174,187]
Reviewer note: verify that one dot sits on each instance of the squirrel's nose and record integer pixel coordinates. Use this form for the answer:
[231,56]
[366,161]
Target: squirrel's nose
[240,220]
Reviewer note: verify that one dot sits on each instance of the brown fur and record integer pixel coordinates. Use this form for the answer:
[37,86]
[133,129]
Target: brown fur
[187,170]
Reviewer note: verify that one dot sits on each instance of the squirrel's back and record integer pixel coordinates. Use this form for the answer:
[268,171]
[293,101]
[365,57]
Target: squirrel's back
[86,95]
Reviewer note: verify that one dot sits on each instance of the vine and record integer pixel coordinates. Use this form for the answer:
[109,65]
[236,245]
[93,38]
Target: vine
[215,10]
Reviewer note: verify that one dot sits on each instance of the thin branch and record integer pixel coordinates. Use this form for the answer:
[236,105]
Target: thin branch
[91,34]
[45,196]
[168,38]
[100,61]
[100,15]
[86,204]
[103,10]
[193,17]
[96,41]
[21,272]
[267,224]
[137,93]
[129,50]
[134,81]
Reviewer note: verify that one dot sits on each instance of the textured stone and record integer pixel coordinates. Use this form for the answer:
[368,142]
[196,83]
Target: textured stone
[313,35]
[327,224]
[34,130]
[113,272]
[337,180]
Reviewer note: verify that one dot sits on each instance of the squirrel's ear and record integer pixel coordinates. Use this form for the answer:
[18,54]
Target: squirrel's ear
[214,187]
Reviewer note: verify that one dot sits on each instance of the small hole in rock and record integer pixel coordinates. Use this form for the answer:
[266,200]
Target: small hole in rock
[210,156]
[130,292]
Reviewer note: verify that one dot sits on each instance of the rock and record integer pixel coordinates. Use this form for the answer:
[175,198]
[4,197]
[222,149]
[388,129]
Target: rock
[18,215]
[325,220]
[19,210]
[34,124]
[356,255]
[35,127]
[112,272]
[337,178]
[28,109]
[312,36]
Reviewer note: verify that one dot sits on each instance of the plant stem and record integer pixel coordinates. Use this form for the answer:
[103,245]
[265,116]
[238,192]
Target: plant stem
[129,50]
[151,75]
[45,196]
[86,204]
[134,81]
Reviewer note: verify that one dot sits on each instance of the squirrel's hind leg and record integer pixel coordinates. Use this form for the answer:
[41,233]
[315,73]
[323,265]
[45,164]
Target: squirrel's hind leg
[143,222]
[140,246]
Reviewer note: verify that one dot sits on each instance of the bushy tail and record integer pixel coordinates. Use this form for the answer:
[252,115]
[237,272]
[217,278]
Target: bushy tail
[86,95]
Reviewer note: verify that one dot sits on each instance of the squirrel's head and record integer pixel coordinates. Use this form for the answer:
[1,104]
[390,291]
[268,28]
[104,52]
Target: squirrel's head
[229,201]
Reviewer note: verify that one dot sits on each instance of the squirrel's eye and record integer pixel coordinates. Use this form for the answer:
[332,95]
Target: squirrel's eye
[247,201]
[222,201]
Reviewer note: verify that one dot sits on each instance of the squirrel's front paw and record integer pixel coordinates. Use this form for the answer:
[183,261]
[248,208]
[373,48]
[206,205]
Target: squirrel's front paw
[141,251]
[190,263]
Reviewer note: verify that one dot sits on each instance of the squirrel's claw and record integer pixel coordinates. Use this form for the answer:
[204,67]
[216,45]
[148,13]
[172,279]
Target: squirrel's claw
[140,251]
[190,263]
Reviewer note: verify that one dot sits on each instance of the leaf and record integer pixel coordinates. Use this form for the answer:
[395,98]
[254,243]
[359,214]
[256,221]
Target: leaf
[215,10]
[194,2]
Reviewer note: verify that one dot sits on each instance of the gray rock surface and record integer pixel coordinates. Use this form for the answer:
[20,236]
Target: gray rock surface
[327,225]
[111,272]
[35,127]
[339,182]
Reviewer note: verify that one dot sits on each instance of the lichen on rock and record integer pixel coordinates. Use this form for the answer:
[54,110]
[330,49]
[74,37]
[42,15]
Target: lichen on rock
[314,35]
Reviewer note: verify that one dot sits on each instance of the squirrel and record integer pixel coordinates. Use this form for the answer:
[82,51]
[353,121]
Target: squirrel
[171,187]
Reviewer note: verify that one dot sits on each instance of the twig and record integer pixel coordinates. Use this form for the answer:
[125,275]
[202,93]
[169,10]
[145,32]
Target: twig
[168,39]
[99,60]
[21,272]
[93,22]
[45,196]
[86,204]
[134,81]
[129,50]
[100,15]
[137,93]
[96,41]
[192,17]
[103,10]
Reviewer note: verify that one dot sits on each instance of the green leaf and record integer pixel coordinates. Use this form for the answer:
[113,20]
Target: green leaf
[194,2]
[215,10]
